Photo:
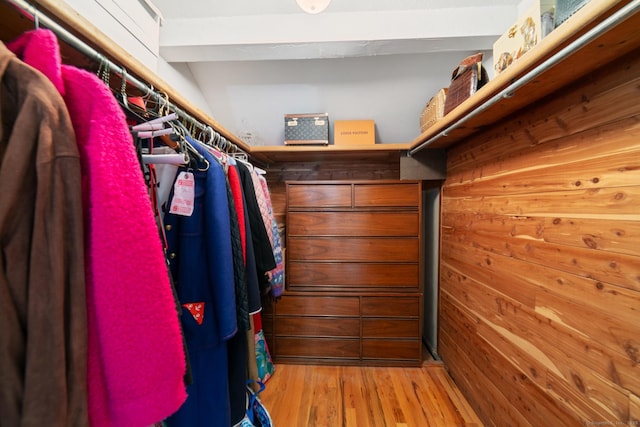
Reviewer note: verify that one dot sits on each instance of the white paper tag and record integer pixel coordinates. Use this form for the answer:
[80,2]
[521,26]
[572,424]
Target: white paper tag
[183,195]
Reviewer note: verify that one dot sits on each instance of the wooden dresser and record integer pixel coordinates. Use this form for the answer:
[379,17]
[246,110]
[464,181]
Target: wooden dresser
[353,271]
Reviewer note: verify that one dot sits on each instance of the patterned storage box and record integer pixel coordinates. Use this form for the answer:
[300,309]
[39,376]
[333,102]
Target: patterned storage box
[306,129]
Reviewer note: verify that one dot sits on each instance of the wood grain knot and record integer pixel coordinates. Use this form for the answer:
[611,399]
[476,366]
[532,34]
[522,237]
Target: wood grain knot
[590,242]
[578,382]
[632,352]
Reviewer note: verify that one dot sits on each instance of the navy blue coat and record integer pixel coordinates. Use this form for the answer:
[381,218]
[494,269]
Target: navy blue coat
[202,266]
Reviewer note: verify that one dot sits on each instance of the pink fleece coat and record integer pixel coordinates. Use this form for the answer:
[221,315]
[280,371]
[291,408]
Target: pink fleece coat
[136,360]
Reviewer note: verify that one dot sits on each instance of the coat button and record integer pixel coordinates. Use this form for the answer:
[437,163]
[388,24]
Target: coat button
[168,227]
[172,255]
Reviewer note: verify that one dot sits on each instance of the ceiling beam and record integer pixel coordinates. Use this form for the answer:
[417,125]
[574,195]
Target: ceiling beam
[332,35]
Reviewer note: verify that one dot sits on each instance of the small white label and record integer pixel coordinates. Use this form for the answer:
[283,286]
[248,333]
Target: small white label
[292,123]
[183,195]
[320,122]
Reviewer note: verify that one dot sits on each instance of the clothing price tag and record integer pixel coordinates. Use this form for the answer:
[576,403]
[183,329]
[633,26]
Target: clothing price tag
[183,195]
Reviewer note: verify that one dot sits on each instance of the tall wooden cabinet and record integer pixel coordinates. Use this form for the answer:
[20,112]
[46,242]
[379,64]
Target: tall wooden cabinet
[353,274]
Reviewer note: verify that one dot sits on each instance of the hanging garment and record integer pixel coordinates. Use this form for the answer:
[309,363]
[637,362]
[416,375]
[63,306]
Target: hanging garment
[135,357]
[202,266]
[241,350]
[266,368]
[238,354]
[238,198]
[43,341]
[266,210]
[276,276]
[236,209]
[237,346]
[251,273]
[265,261]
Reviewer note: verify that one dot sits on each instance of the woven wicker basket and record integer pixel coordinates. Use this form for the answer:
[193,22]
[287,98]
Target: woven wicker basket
[434,110]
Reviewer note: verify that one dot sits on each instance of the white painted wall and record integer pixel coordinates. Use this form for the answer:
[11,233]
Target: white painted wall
[179,77]
[135,26]
[254,96]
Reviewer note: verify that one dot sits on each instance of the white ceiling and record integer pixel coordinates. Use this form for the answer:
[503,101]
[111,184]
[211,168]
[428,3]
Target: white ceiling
[173,9]
[221,39]
[223,30]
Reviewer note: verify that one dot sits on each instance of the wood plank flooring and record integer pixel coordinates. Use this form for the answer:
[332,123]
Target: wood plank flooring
[355,396]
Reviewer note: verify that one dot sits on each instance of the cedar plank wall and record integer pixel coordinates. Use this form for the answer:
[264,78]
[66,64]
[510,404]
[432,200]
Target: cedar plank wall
[539,320]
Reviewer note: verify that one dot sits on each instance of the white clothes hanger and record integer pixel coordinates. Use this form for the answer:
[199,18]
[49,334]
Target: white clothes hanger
[166,159]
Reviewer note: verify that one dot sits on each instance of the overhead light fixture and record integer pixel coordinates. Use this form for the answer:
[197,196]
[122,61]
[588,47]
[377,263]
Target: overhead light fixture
[313,6]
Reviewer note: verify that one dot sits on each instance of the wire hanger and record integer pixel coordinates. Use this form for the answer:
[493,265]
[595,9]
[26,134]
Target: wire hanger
[36,18]
[155,124]
[123,90]
[185,145]
[104,73]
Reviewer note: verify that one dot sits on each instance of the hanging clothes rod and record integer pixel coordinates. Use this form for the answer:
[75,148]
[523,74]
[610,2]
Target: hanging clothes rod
[622,14]
[41,19]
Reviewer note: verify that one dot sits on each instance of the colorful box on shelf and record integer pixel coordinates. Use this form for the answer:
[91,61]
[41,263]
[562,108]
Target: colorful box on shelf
[523,35]
[306,129]
[354,132]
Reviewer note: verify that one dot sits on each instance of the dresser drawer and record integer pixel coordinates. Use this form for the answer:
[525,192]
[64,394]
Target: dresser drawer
[352,223]
[346,275]
[391,349]
[386,195]
[317,306]
[408,306]
[319,327]
[318,347]
[368,249]
[390,328]
[319,195]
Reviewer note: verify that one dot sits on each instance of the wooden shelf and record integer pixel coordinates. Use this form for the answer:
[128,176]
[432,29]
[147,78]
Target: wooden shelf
[609,45]
[465,120]
[307,153]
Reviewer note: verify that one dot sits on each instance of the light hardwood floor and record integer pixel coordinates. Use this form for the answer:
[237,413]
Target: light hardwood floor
[350,396]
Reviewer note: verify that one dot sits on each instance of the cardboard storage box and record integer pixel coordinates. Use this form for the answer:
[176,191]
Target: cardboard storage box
[521,37]
[354,132]
[306,129]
